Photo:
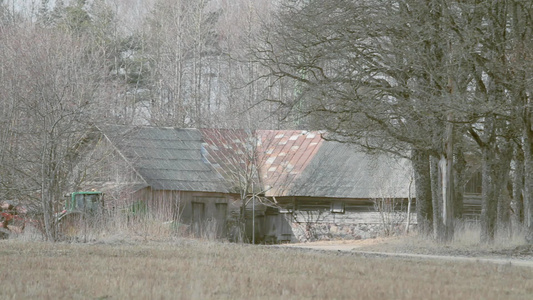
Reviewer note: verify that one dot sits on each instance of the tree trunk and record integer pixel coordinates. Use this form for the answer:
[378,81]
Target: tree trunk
[488,197]
[46,188]
[448,183]
[528,179]
[424,206]
[518,186]
[436,193]
[501,175]
[459,168]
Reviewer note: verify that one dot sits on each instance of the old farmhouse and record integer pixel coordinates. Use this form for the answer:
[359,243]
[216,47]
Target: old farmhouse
[288,185]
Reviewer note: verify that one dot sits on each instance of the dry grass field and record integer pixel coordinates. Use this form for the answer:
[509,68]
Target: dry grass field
[466,243]
[193,269]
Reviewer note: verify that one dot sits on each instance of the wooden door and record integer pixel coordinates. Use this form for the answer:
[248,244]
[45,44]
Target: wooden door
[198,218]
[220,218]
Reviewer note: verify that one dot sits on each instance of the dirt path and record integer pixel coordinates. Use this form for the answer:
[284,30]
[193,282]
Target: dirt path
[357,247]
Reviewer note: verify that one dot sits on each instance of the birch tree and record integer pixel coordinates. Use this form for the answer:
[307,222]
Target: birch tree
[180,43]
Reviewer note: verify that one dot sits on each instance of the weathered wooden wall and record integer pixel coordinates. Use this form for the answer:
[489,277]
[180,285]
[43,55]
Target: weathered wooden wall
[205,213]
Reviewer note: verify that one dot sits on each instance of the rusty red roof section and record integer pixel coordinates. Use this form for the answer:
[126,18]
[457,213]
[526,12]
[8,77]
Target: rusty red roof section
[278,156]
[230,152]
[283,155]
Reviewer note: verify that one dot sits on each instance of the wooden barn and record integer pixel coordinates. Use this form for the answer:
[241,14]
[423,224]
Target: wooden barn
[290,184]
[163,171]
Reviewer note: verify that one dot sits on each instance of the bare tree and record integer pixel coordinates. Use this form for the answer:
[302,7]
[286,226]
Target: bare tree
[419,76]
[359,75]
[181,41]
[50,98]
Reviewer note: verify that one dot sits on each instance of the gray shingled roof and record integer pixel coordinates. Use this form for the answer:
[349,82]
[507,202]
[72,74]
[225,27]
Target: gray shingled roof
[166,158]
[175,159]
[342,171]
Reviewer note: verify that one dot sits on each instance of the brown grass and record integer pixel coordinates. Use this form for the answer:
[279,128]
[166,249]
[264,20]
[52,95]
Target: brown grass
[466,243]
[194,269]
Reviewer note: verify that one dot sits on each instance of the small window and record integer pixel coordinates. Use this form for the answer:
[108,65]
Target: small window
[80,202]
[337,207]
[285,210]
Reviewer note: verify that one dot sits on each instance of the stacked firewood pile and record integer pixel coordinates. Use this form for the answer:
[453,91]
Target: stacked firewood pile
[12,219]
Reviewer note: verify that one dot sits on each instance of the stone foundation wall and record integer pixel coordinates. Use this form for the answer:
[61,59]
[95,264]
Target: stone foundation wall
[328,231]
[355,225]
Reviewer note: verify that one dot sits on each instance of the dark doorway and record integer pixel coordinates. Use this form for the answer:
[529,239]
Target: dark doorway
[220,218]
[198,218]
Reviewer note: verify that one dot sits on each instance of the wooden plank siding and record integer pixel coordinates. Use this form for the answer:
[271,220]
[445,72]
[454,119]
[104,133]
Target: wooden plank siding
[178,206]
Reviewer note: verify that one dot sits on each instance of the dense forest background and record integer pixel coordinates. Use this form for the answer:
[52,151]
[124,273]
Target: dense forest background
[167,63]
[446,83]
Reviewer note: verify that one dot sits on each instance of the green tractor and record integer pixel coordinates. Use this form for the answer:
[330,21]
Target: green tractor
[82,210]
